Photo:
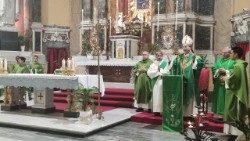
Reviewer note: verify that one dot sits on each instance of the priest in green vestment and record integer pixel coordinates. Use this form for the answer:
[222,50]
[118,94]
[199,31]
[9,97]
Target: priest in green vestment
[36,67]
[218,97]
[155,72]
[184,64]
[22,67]
[14,66]
[142,83]
[237,94]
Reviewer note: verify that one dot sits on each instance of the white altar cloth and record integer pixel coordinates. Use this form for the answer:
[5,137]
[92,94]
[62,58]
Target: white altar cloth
[42,81]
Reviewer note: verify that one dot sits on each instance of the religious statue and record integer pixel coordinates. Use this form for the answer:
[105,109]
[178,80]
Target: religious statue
[87,10]
[9,12]
[102,9]
[240,26]
[120,25]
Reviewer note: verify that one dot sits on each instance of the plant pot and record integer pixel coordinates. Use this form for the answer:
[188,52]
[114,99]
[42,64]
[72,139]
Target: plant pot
[22,48]
[86,117]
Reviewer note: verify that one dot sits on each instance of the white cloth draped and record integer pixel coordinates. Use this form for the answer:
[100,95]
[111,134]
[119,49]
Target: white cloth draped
[157,97]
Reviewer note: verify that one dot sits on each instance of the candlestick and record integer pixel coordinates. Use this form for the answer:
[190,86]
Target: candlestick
[176,13]
[158,12]
[82,14]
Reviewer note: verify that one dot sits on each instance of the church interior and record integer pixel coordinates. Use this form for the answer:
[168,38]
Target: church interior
[98,43]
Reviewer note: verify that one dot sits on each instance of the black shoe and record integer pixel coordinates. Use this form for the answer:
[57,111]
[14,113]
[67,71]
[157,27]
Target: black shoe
[139,110]
[157,114]
[149,110]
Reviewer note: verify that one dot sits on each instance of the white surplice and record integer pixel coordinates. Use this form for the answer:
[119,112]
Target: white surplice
[153,72]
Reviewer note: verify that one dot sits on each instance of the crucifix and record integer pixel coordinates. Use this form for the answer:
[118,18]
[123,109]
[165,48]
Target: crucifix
[40,96]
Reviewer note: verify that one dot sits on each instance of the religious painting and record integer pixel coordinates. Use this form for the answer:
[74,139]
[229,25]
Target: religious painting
[142,4]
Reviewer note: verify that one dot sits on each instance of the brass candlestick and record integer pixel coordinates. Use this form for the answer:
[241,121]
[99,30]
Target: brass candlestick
[68,71]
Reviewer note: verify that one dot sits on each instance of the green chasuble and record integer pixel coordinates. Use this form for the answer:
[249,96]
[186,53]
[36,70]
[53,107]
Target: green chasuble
[22,68]
[218,97]
[142,82]
[36,66]
[13,68]
[236,98]
[183,66]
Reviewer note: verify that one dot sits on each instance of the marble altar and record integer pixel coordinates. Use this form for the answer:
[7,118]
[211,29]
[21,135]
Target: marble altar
[44,84]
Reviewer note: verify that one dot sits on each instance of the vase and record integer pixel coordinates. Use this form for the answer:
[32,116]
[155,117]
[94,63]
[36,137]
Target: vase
[23,48]
[86,117]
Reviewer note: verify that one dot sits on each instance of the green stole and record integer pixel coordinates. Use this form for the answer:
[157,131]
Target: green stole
[162,66]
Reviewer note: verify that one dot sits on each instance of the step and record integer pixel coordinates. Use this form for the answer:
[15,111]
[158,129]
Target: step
[116,91]
[60,99]
[115,98]
[123,104]
[145,117]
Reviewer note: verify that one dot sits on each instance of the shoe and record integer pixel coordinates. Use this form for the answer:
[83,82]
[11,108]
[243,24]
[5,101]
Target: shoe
[157,114]
[139,110]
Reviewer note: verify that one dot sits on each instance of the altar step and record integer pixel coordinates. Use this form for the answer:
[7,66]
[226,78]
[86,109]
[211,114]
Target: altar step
[114,97]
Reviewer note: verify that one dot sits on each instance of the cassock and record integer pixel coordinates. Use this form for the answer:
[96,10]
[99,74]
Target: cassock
[142,84]
[218,97]
[155,72]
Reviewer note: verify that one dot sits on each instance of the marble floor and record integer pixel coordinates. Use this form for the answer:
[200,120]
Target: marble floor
[60,124]
[129,131]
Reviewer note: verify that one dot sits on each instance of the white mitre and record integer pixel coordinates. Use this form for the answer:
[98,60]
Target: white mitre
[187,41]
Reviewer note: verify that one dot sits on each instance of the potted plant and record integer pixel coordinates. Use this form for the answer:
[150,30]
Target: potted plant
[23,42]
[80,102]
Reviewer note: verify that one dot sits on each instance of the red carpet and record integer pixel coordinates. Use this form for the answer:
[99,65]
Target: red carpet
[124,98]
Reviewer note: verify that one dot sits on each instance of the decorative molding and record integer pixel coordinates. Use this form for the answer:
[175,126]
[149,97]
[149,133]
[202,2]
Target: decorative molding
[56,34]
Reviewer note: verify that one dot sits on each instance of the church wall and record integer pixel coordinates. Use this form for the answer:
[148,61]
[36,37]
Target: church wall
[223,27]
[240,4]
[56,12]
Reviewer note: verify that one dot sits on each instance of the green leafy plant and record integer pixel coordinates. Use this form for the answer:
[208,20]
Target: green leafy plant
[86,48]
[24,41]
[84,97]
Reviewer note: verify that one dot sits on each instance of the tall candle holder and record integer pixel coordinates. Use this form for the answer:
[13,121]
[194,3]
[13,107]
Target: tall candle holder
[197,125]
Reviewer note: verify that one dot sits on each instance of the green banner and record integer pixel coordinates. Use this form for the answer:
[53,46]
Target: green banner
[172,103]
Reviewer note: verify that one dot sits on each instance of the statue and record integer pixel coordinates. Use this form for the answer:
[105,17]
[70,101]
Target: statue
[240,26]
[120,25]
[87,9]
[102,9]
[9,12]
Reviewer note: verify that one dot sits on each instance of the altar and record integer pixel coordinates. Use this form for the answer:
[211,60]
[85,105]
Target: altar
[43,85]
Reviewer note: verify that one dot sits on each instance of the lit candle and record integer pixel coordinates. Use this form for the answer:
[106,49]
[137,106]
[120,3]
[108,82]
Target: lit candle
[176,12]
[82,14]
[5,64]
[63,64]
[158,13]
[69,63]
[73,64]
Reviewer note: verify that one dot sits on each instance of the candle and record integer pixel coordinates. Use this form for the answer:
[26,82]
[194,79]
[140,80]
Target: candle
[176,12]
[63,64]
[110,26]
[5,64]
[158,12]
[69,63]
[73,64]
[1,63]
[82,14]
